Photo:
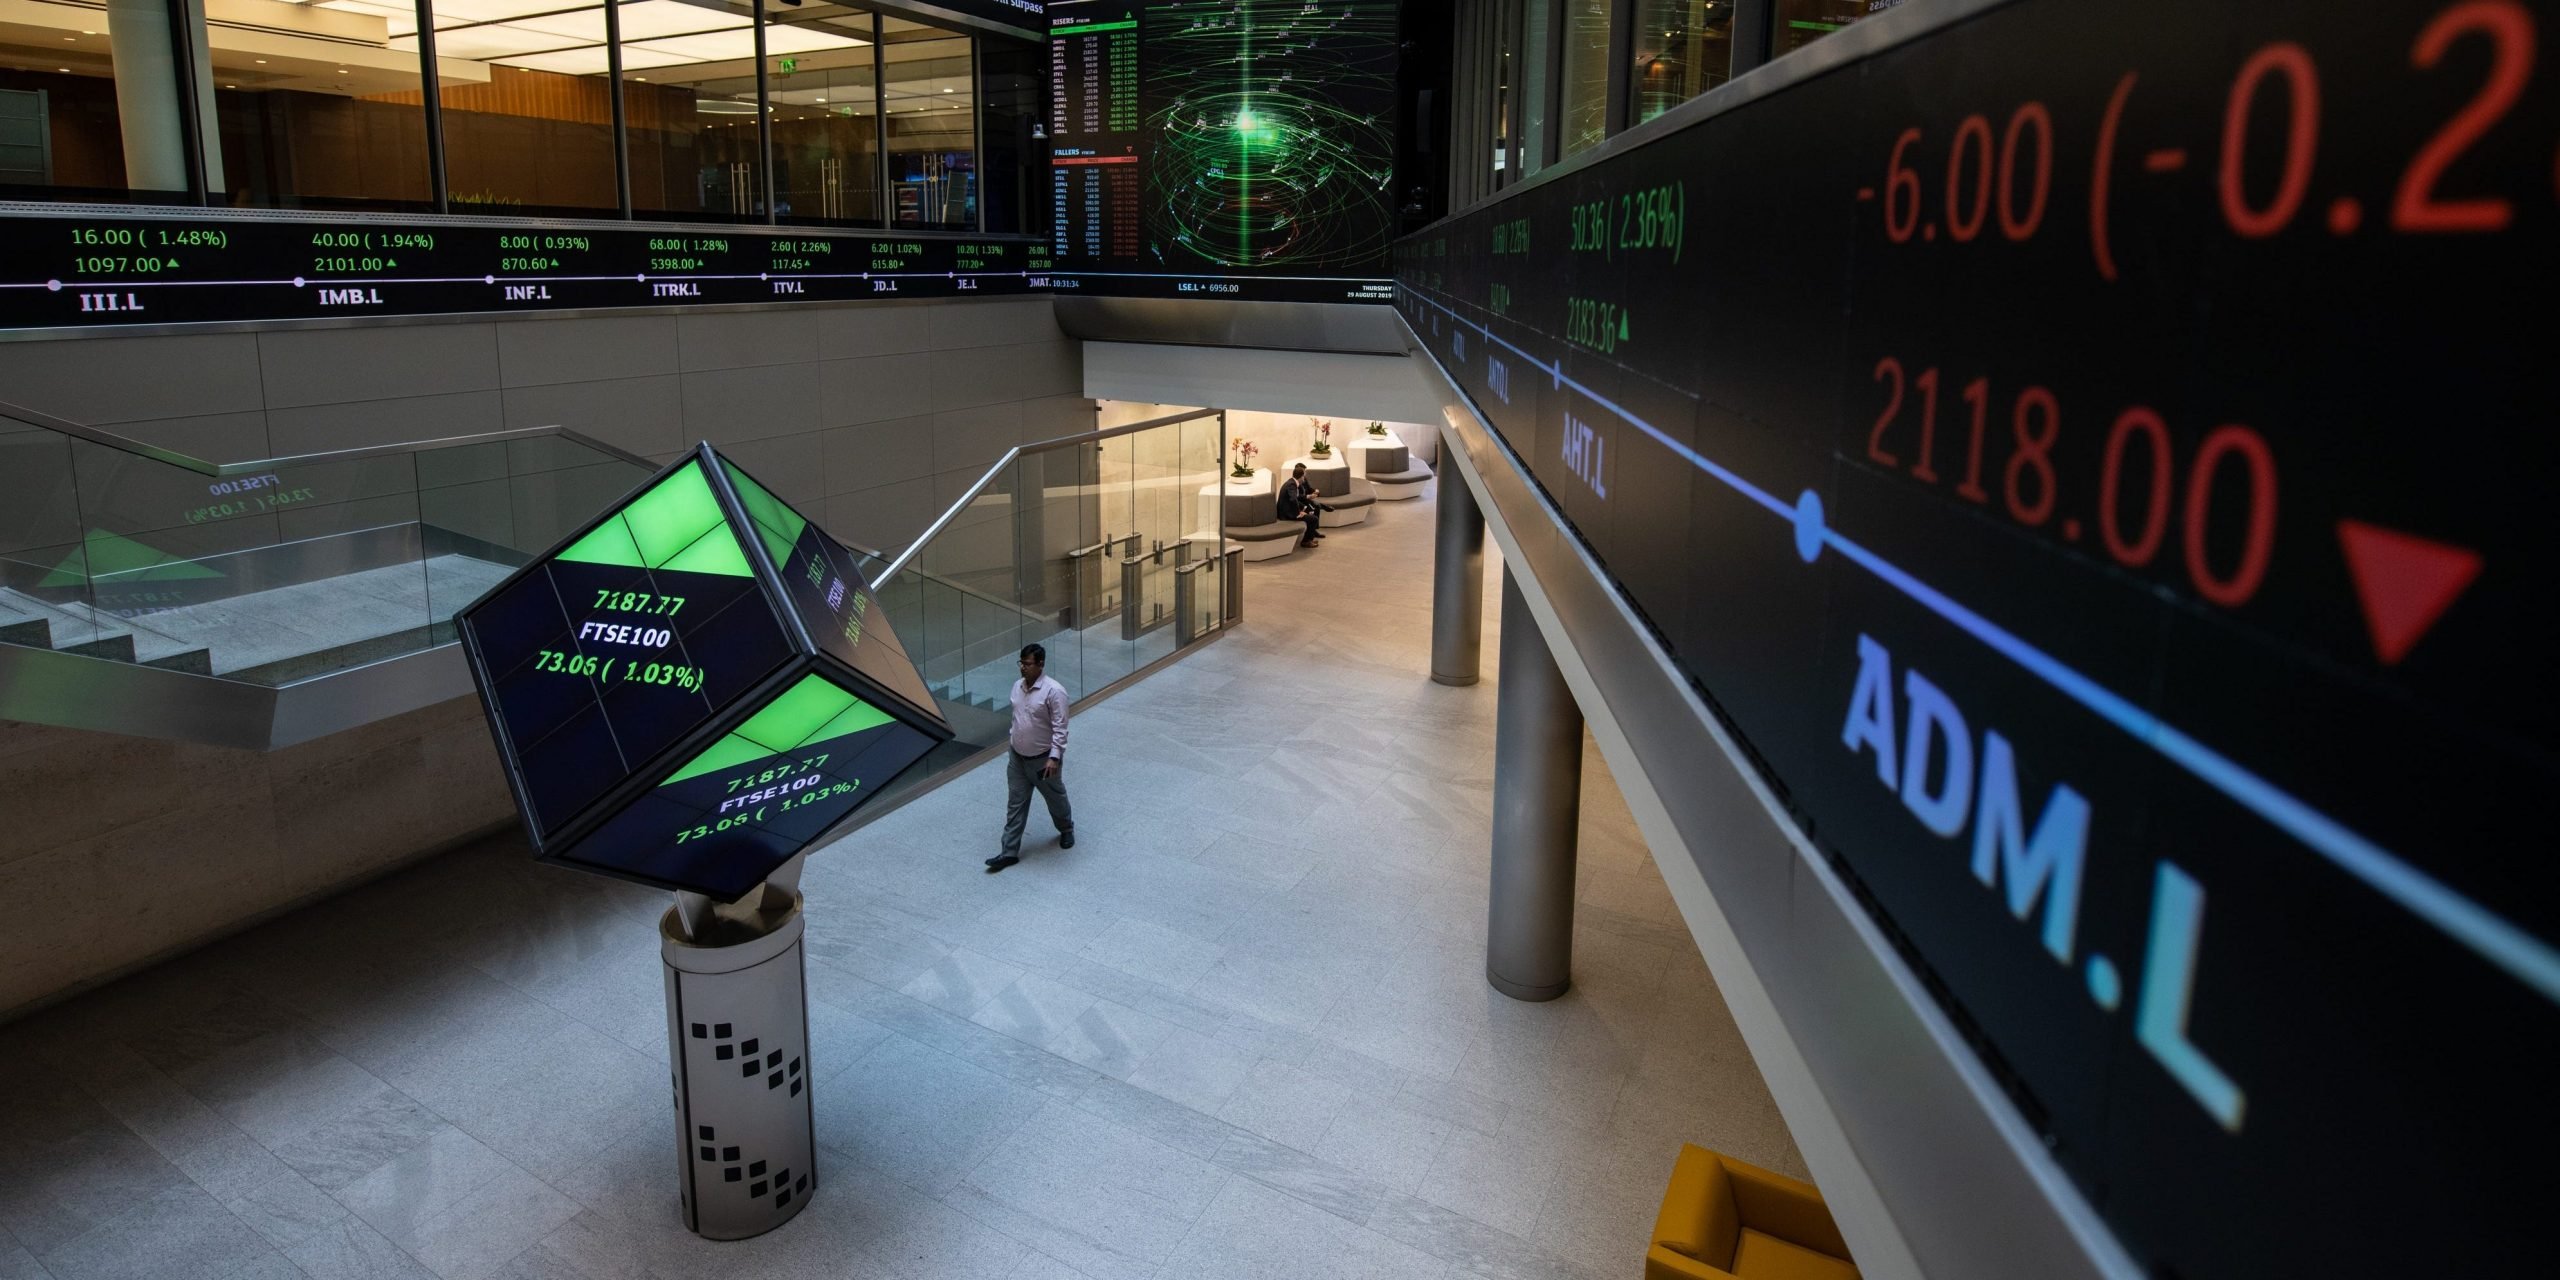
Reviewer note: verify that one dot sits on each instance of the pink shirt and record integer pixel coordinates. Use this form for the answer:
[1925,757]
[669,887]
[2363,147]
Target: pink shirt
[1040,719]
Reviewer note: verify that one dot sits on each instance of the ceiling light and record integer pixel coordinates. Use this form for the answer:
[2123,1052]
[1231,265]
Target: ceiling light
[262,62]
[88,33]
[817,99]
[342,71]
[64,70]
[71,39]
[946,91]
[230,86]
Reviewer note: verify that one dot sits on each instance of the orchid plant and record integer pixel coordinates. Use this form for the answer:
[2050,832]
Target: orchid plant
[1324,439]
[1242,451]
[1377,428]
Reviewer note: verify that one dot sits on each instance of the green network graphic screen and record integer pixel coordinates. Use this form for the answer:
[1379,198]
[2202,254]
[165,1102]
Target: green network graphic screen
[1220,149]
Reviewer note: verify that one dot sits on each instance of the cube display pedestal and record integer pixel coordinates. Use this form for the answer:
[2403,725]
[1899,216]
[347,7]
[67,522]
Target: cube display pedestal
[738,1052]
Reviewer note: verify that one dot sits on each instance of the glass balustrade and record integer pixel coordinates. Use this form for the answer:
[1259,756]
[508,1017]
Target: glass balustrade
[277,571]
[1103,548]
[1083,546]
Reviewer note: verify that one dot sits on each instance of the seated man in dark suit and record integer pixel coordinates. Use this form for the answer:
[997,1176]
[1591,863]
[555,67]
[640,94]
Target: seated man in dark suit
[1298,502]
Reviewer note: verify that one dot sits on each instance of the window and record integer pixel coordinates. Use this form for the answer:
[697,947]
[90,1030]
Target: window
[1013,76]
[1801,22]
[932,106]
[826,114]
[93,105]
[689,92]
[1586,76]
[331,116]
[533,131]
[1682,49]
[866,120]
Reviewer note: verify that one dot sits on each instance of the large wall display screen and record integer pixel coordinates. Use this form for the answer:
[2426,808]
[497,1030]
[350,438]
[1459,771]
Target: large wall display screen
[57,271]
[694,688]
[2098,458]
[1223,149]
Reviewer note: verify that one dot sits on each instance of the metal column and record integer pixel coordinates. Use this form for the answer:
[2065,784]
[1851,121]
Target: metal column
[1537,813]
[1457,584]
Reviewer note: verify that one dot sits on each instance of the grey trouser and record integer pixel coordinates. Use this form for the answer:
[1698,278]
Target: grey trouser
[1021,774]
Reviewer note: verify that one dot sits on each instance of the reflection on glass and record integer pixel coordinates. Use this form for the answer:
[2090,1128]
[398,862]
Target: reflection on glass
[321,109]
[690,94]
[1535,127]
[826,115]
[932,112]
[532,132]
[1013,76]
[1801,22]
[1503,36]
[1586,77]
[1683,48]
[330,115]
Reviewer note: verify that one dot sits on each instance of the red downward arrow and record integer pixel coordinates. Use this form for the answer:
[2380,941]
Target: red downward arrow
[2405,582]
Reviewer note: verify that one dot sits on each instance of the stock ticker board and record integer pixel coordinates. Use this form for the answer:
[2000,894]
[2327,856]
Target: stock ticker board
[2099,460]
[58,271]
[694,688]
[1223,149]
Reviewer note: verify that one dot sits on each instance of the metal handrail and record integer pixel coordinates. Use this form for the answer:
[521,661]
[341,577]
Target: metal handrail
[141,449]
[1015,454]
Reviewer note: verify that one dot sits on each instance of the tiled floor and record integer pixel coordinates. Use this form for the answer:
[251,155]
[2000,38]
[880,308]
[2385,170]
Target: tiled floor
[1242,1029]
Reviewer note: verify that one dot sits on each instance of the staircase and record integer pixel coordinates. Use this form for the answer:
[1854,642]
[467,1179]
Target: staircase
[73,627]
[274,636]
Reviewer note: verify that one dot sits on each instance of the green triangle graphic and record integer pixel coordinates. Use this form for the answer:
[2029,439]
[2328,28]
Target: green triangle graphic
[774,519]
[856,718]
[672,515]
[722,754]
[714,552]
[103,555]
[803,709]
[609,544]
[810,712]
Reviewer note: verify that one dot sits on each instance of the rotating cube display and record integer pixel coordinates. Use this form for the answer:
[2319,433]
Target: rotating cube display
[695,687]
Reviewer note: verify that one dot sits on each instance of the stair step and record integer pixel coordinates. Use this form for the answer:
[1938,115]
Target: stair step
[20,627]
[152,647]
[111,648]
[73,627]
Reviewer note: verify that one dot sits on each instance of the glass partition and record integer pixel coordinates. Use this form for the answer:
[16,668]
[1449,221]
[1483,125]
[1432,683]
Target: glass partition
[89,106]
[1683,48]
[1013,76]
[1801,22]
[1094,548]
[825,110]
[1585,79]
[930,98]
[691,102]
[533,133]
[322,104]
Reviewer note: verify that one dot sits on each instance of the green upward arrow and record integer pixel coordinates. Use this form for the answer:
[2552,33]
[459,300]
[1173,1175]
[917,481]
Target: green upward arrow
[1622,326]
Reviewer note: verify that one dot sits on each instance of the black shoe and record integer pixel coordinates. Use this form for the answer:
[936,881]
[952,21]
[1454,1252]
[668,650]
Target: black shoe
[1000,862]
[1067,838]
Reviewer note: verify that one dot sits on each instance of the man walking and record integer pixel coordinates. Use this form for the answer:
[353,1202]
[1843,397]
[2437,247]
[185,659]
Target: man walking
[1039,753]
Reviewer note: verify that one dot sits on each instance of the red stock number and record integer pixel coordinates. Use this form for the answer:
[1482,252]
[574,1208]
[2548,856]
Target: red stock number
[1986,182]
[2226,487]
[2287,74]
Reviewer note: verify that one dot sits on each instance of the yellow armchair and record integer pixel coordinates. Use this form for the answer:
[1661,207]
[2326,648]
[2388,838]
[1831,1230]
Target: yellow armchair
[1726,1220]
